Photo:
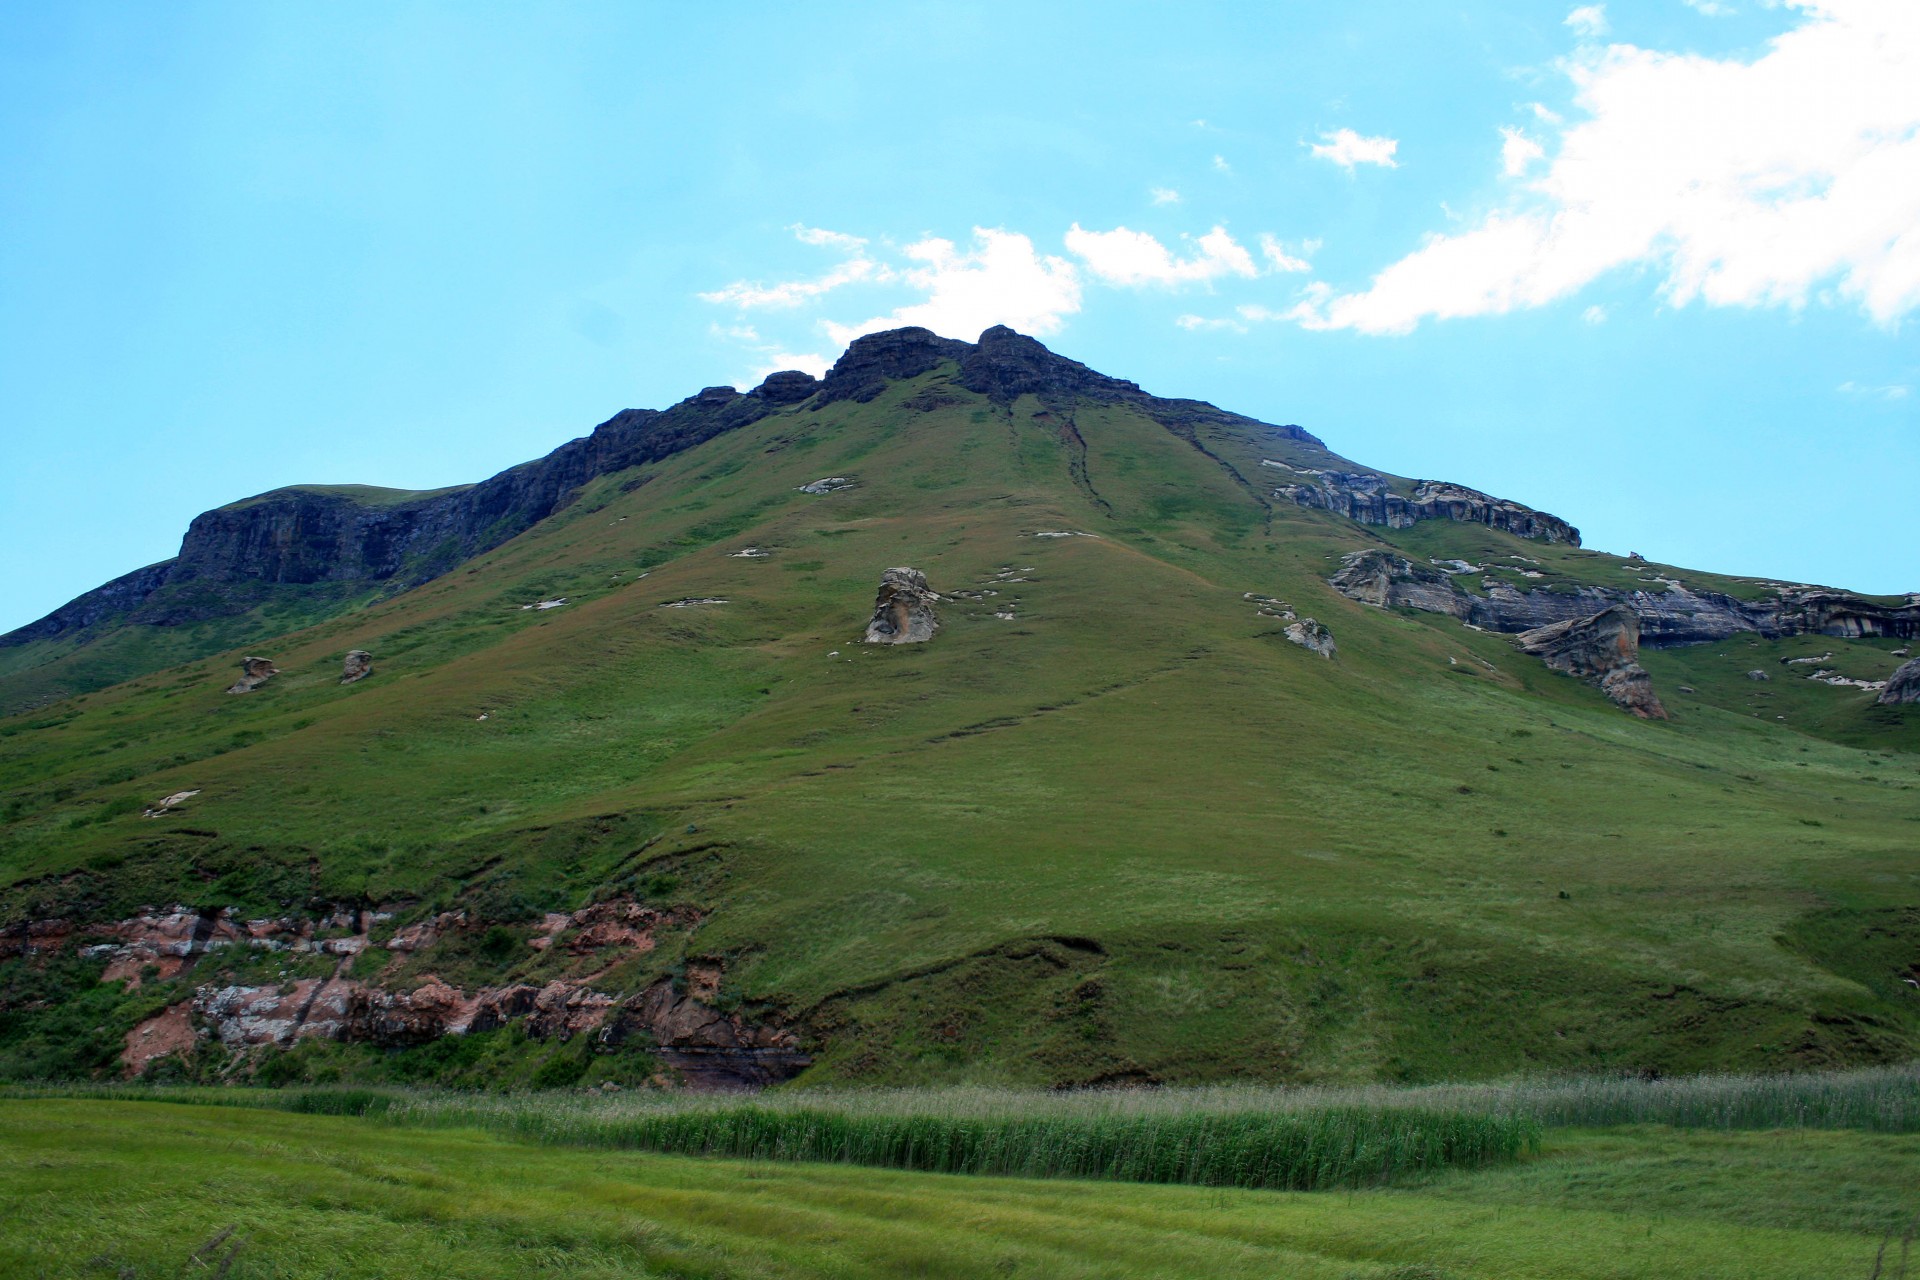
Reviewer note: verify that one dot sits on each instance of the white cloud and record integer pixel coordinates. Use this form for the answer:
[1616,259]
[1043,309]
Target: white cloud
[1220,164]
[1193,323]
[1710,8]
[1588,21]
[1595,314]
[1543,113]
[1518,152]
[999,280]
[857,269]
[1885,394]
[834,239]
[1164,195]
[809,362]
[1280,260]
[1790,177]
[1346,148]
[1126,257]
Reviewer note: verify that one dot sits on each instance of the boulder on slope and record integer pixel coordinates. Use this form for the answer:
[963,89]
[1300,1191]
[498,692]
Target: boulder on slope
[1603,648]
[903,610]
[254,672]
[1312,635]
[1903,686]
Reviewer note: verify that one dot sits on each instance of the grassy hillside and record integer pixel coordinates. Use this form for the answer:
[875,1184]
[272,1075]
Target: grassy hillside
[1128,833]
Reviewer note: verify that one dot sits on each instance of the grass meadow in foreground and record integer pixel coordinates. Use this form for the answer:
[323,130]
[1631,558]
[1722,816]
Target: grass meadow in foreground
[1296,1139]
[97,1187]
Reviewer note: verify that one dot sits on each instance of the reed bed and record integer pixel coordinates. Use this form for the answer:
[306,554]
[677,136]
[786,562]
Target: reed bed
[1296,1150]
[1241,1136]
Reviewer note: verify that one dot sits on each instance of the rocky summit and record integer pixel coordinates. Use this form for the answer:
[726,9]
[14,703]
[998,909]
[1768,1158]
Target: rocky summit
[617,769]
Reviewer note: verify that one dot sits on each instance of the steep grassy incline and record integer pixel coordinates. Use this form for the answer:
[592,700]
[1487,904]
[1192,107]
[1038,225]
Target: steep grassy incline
[1108,825]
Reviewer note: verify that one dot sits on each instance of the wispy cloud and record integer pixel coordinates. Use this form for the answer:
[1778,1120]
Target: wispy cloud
[1279,259]
[856,269]
[1164,195]
[1589,21]
[1887,394]
[1346,148]
[1126,257]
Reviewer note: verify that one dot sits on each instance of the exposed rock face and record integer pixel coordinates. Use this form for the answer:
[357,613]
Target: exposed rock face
[1671,615]
[709,1048]
[1757,675]
[789,386]
[1309,634]
[358,666]
[254,672]
[903,611]
[1605,649]
[321,539]
[1369,499]
[166,1034]
[1903,686]
[167,804]
[1004,365]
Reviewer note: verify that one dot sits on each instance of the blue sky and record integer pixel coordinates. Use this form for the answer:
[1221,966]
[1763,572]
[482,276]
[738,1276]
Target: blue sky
[1652,266]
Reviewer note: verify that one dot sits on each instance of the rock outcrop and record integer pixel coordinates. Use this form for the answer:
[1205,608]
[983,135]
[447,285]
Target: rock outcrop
[358,666]
[1604,649]
[677,1020]
[338,540]
[1672,614]
[1313,636]
[1903,686]
[254,672]
[903,610]
[1368,498]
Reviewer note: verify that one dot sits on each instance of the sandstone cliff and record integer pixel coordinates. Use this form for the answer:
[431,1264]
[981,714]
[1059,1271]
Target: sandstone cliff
[1367,498]
[1673,614]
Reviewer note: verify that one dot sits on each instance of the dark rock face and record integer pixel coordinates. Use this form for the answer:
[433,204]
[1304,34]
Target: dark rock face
[1603,649]
[1368,499]
[1673,615]
[789,386]
[254,672]
[358,666]
[1903,686]
[308,537]
[1004,365]
[903,610]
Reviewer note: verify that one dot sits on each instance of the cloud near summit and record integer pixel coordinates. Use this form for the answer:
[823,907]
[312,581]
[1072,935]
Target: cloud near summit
[1000,277]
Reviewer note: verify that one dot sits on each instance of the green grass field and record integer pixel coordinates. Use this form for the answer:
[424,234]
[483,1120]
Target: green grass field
[108,1188]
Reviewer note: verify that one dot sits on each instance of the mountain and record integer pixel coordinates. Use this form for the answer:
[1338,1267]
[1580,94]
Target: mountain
[1209,754]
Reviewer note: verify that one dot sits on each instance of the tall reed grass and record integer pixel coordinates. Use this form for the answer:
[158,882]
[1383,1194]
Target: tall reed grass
[1295,1138]
[1298,1150]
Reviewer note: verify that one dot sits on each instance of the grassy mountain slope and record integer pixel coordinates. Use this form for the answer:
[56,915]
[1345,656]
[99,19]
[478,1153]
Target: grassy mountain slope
[1128,833]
